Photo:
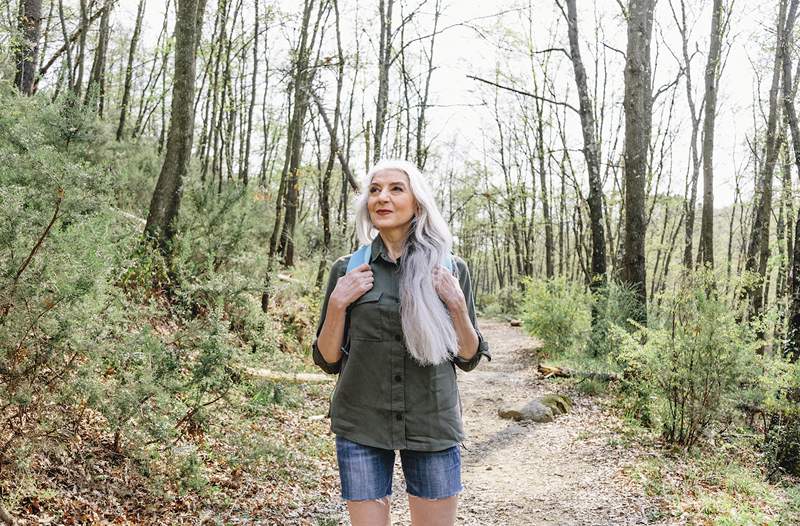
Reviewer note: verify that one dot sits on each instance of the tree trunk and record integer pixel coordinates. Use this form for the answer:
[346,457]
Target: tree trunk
[244,175]
[693,170]
[706,247]
[384,62]
[758,248]
[28,50]
[166,200]
[77,87]
[303,75]
[421,149]
[792,346]
[638,117]
[126,89]
[96,88]
[590,152]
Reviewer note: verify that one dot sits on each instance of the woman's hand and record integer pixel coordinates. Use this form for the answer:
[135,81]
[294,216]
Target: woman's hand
[352,286]
[448,288]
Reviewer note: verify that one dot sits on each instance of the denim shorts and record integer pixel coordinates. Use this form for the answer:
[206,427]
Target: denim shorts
[366,471]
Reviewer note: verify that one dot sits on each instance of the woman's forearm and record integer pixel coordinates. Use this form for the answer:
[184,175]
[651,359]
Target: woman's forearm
[329,341]
[467,337]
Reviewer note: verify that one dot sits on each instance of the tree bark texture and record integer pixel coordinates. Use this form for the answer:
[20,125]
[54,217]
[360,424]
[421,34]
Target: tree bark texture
[706,247]
[758,248]
[384,62]
[166,200]
[27,53]
[638,118]
[591,151]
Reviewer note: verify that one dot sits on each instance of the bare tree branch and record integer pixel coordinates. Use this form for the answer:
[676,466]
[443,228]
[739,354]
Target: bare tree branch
[526,93]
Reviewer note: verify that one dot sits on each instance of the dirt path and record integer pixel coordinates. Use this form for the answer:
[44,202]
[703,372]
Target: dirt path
[566,472]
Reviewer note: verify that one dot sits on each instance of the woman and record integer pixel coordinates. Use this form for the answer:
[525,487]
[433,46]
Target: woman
[395,328]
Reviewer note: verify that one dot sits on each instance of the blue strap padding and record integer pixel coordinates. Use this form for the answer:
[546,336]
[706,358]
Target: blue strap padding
[358,257]
[362,255]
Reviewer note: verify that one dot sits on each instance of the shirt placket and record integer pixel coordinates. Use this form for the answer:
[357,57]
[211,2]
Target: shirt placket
[398,391]
[397,362]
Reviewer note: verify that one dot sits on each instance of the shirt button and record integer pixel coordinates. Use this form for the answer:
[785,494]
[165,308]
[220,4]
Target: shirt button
[397,337]
[397,378]
[399,416]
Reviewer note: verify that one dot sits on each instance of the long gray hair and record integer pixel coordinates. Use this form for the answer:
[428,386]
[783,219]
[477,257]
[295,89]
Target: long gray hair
[427,326]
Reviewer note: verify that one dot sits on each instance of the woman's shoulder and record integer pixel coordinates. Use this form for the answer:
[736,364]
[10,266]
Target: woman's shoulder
[340,265]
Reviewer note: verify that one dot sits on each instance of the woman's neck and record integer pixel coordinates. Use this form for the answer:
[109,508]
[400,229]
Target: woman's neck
[394,240]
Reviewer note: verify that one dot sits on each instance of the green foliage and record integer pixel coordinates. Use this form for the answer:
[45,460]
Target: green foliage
[60,241]
[779,386]
[614,305]
[558,312]
[88,329]
[505,301]
[690,361]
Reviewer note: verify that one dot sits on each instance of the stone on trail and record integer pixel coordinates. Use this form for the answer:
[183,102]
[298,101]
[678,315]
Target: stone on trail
[560,404]
[533,410]
[541,410]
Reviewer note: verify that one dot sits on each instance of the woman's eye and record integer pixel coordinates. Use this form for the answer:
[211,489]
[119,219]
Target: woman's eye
[397,188]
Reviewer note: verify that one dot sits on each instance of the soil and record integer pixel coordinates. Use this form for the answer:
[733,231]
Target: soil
[571,471]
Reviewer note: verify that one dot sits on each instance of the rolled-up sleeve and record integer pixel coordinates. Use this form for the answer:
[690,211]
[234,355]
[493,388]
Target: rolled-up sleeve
[337,270]
[483,346]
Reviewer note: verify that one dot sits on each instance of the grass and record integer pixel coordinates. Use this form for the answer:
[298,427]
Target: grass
[721,486]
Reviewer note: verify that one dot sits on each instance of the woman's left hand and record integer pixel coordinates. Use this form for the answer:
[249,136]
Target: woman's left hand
[448,288]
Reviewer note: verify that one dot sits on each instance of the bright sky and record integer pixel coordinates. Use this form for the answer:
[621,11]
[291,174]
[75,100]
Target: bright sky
[492,43]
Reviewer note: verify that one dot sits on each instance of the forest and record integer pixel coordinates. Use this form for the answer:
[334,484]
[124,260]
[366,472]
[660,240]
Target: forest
[177,178]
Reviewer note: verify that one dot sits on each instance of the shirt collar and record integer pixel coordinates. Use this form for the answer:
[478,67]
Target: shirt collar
[377,248]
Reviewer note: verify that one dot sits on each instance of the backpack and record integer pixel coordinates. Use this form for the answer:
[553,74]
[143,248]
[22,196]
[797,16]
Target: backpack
[362,255]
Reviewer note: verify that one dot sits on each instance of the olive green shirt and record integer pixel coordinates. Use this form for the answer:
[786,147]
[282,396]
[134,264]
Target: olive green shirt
[383,397]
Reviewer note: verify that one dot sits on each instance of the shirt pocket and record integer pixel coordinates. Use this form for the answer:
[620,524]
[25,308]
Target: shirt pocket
[446,388]
[365,317]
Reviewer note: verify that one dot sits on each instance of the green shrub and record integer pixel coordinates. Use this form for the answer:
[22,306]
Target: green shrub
[780,387]
[60,241]
[689,363]
[614,305]
[558,312]
[505,301]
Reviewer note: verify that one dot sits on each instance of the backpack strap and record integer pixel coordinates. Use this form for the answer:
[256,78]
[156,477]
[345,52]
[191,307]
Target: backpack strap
[447,262]
[364,252]
[359,257]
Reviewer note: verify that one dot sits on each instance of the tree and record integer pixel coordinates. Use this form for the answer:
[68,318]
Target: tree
[126,88]
[28,51]
[758,247]
[384,62]
[792,347]
[638,117]
[166,200]
[96,89]
[303,75]
[591,150]
[706,248]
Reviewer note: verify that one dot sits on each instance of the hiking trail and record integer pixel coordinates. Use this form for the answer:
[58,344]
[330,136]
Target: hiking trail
[567,472]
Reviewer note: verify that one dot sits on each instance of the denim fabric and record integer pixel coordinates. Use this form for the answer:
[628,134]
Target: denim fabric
[366,472]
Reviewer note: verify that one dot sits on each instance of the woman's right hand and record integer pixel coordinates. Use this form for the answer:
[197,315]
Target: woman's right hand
[352,286]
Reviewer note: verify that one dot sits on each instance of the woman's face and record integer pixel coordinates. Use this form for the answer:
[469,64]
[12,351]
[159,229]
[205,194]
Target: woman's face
[391,203]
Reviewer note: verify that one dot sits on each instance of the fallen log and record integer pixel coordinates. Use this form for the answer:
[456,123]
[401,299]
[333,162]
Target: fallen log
[550,371]
[294,378]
